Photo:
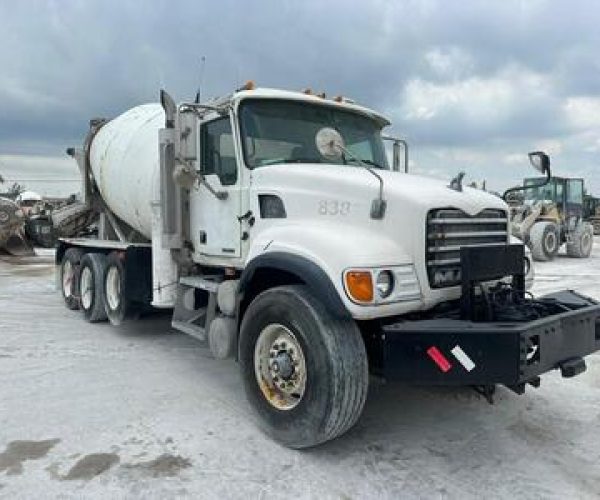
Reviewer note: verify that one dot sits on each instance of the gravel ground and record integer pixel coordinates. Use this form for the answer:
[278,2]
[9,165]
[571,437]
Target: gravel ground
[143,412]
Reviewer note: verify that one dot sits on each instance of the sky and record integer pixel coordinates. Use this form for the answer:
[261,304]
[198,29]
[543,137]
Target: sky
[472,85]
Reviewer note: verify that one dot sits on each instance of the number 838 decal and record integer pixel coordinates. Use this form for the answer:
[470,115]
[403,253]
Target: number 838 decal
[334,207]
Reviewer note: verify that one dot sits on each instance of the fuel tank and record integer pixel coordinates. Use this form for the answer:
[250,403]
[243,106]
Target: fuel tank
[124,158]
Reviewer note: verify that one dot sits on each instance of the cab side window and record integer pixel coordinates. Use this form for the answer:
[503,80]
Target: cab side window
[218,154]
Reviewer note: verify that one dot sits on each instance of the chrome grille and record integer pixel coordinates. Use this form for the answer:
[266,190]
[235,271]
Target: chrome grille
[449,229]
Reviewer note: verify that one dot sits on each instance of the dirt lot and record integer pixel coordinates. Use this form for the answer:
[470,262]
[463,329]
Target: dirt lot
[144,412]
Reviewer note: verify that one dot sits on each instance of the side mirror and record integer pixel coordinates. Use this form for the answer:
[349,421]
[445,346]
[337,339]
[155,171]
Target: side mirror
[540,161]
[398,144]
[330,143]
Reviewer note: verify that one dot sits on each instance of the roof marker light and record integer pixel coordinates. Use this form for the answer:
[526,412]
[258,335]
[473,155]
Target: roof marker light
[249,85]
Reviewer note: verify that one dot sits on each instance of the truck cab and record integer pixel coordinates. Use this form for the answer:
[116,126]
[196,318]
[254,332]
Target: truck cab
[280,194]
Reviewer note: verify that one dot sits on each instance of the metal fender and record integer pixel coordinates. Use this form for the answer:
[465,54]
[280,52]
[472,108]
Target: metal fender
[307,271]
[333,248]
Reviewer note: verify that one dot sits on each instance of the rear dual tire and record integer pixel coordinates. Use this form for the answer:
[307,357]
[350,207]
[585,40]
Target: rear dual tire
[117,305]
[69,277]
[91,282]
[95,283]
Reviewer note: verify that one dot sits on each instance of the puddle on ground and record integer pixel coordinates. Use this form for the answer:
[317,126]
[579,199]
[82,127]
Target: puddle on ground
[91,466]
[17,452]
[165,465]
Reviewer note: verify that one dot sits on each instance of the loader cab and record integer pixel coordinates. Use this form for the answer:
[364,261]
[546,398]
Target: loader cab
[591,206]
[567,194]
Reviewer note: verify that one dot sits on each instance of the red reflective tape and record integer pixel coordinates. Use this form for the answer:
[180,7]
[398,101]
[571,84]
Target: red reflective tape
[439,359]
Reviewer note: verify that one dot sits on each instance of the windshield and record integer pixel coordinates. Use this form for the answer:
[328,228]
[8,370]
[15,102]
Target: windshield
[275,131]
[541,193]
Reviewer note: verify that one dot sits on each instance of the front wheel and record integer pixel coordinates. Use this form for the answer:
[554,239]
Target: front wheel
[544,240]
[305,372]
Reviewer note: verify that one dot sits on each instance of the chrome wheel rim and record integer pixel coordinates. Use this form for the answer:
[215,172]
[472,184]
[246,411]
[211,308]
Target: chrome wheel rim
[86,288]
[280,367]
[67,279]
[113,288]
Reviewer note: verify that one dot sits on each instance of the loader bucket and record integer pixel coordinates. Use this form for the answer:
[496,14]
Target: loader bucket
[18,246]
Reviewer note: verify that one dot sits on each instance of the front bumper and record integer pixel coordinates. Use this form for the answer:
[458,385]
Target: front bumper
[458,352]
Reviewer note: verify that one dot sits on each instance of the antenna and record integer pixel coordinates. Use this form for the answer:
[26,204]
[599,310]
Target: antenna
[202,65]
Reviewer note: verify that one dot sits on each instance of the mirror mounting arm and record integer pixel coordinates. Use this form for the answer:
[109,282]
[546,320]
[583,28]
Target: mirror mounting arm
[186,176]
[378,205]
[545,168]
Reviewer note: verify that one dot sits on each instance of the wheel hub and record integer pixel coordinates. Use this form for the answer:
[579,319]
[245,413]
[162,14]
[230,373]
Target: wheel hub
[86,288]
[280,367]
[113,288]
[67,279]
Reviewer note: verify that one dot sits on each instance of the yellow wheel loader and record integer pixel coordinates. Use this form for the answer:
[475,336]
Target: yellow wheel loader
[551,213]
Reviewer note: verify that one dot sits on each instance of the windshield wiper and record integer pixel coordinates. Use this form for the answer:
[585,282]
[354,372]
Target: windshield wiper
[360,160]
[301,160]
[276,161]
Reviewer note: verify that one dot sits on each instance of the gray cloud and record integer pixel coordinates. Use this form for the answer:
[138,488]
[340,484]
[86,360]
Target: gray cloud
[491,78]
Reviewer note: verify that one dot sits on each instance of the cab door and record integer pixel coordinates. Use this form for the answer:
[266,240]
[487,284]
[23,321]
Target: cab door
[214,224]
[574,206]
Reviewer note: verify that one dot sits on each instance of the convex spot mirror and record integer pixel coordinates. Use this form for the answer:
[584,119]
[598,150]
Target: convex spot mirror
[540,161]
[330,143]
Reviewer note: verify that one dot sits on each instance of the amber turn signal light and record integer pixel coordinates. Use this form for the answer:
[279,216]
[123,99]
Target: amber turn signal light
[359,285]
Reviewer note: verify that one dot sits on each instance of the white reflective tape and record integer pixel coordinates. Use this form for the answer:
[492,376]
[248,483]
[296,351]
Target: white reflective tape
[462,358]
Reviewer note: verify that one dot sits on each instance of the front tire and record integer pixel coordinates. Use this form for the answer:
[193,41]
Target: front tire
[91,274]
[305,371]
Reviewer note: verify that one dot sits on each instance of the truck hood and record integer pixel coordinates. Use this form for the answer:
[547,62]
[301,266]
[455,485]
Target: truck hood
[328,221]
[360,186]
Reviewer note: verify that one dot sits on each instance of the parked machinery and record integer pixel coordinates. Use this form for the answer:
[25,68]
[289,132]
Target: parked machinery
[551,214]
[12,236]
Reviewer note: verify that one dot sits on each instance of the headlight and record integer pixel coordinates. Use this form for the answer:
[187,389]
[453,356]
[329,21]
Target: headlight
[385,283]
[368,286]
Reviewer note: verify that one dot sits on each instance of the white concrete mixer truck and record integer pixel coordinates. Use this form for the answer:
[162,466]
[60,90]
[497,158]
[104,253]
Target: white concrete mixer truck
[272,225]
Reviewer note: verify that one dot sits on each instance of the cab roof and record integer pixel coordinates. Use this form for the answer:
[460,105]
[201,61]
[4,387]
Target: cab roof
[267,93]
